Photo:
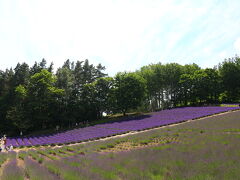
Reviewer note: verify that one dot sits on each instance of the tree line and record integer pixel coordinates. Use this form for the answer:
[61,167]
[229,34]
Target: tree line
[33,98]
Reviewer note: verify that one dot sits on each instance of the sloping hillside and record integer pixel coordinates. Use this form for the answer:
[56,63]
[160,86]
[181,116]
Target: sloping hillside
[203,149]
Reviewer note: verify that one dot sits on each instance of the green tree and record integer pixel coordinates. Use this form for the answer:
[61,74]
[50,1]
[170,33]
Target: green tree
[17,113]
[42,94]
[153,86]
[6,98]
[230,75]
[186,89]
[213,85]
[129,91]
[171,75]
[21,75]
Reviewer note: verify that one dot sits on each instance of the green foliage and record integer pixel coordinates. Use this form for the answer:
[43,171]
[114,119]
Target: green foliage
[230,75]
[21,91]
[36,156]
[46,154]
[22,155]
[129,91]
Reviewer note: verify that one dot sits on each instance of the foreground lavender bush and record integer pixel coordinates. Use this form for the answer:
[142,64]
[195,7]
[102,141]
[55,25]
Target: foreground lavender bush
[84,165]
[63,170]
[156,119]
[12,171]
[36,172]
[3,158]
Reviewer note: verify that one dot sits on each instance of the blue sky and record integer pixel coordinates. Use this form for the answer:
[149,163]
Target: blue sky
[119,34]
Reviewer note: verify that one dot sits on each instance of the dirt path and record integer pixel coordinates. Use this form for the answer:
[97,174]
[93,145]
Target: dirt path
[130,133]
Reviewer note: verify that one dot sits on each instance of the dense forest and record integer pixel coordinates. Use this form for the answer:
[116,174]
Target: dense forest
[33,98]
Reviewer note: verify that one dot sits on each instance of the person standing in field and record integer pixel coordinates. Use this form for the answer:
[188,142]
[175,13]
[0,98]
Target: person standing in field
[3,143]
[5,140]
[10,148]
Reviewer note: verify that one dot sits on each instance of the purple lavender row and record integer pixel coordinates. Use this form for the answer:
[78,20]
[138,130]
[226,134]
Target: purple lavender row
[166,117]
[156,119]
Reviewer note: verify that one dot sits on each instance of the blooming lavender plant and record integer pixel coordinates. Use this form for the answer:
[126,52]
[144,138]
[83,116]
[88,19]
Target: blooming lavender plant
[156,119]
[36,172]
[12,171]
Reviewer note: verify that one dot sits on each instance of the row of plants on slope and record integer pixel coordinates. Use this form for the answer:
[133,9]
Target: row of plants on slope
[156,119]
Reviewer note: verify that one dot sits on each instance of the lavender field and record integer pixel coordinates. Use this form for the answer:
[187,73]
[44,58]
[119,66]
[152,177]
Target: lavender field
[156,119]
[205,149]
